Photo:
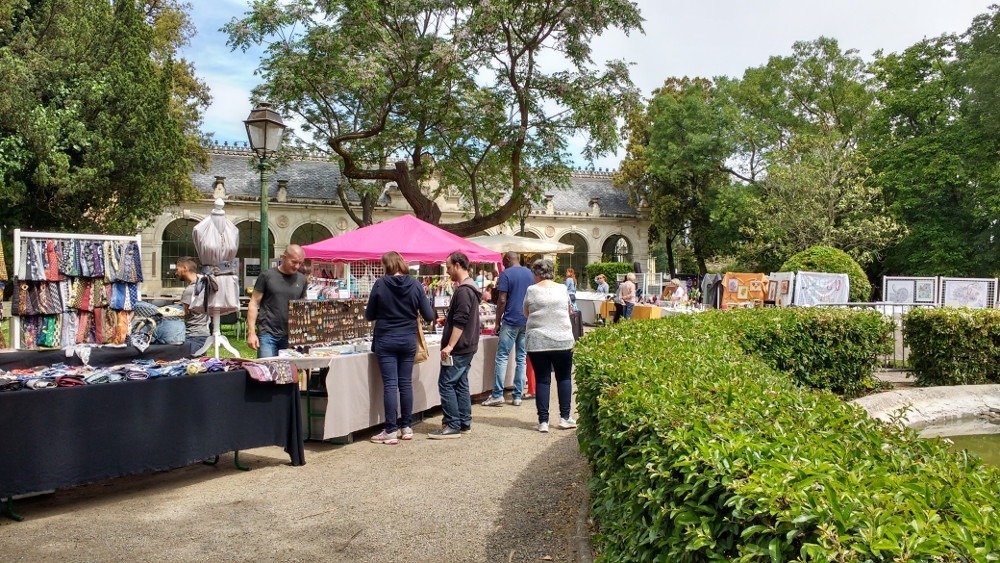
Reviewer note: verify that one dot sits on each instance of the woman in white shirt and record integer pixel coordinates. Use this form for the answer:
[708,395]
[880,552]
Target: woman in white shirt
[549,342]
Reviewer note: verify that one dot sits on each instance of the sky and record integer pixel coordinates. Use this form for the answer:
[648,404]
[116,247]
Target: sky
[682,38]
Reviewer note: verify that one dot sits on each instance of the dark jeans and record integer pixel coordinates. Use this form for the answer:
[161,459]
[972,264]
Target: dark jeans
[270,344]
[544,363]
[195,343]
[619,312]
[453,386]
[395,360]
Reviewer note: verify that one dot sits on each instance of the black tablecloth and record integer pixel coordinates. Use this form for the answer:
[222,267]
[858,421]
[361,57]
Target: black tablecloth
[99,357]
[52,438]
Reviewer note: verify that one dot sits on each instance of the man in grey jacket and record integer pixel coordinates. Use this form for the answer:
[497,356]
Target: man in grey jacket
[459,343]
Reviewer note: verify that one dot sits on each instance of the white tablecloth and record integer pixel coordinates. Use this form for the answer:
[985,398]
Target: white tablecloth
[354,385]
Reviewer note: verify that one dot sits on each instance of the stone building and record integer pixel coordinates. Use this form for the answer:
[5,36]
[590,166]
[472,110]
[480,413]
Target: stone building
[591,215]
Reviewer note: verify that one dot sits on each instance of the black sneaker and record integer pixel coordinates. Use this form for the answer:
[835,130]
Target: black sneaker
[465,429]
[445,433]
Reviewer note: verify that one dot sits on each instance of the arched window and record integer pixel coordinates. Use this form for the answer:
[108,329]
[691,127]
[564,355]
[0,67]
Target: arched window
[577,259]
[616,249]
[177,241]
[250,241]
[310,233]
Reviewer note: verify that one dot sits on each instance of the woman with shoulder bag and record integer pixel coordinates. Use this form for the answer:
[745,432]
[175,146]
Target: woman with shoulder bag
[395,302]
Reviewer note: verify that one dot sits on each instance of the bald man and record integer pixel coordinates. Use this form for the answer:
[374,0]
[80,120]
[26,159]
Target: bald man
[267,314]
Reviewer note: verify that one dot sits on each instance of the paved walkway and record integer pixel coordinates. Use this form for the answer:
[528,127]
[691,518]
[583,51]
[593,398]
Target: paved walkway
[505,492]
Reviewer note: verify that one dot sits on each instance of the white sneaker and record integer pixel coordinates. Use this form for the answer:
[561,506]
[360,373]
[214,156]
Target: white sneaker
[493,402]
[516,402]
[567,423]
[543,426]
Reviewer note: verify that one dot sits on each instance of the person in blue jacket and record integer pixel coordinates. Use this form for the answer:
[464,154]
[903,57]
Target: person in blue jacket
[394,303]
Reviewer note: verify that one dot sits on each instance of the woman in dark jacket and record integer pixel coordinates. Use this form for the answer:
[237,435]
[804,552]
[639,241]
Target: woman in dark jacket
[395,301]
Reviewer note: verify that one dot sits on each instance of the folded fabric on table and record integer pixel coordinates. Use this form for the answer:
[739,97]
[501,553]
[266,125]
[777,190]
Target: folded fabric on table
[70,381]
[40,383]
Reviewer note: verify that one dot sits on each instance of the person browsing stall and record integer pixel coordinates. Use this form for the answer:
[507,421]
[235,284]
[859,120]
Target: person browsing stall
[602,284]
[267,313]
[510,326]
[395,302]
[459,343]
[195,324]
[550,343]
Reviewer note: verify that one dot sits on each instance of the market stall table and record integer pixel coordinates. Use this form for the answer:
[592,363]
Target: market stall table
[99,356]
[646,312]
[74,435]
[354,385]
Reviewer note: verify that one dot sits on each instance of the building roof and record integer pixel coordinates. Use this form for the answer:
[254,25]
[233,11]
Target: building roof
[316,178]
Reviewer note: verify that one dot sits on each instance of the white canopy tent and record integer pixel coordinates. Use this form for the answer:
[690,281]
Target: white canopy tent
[525,245]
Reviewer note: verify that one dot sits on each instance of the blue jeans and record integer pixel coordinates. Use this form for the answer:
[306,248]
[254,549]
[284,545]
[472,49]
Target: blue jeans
[195,343]
[628,310]
[270,344]
[544,363]
[395,360]
[453,386]
[510,336]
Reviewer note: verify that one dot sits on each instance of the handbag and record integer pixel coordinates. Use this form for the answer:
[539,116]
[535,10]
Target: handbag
[421,355]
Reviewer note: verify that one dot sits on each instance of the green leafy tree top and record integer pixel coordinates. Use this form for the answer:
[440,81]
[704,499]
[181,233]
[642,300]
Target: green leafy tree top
[401,91]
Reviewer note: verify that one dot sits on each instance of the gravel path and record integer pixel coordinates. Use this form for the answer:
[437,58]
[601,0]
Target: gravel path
[505,492]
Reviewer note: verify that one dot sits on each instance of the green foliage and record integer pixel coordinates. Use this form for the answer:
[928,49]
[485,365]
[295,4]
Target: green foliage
[399,91]
[610,271]
[701,451]
[831,260]
[822,348]
[953,346]
[90,141]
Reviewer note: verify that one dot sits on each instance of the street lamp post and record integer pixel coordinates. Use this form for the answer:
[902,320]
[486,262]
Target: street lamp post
[264,129]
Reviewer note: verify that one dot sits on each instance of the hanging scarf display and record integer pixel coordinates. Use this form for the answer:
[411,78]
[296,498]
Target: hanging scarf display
[31,328]
[70,326]
[85,328]
[131,264]
[69,258]
[112,260]
[52,261]
[33,257]
[51,331]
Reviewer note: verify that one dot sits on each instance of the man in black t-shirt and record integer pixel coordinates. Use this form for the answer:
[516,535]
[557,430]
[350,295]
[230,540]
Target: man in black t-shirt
[268,310]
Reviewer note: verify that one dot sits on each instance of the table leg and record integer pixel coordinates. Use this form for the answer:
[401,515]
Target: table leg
[8,510]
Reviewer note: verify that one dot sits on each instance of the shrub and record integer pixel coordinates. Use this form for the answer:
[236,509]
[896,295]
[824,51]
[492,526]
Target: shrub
[953,346]
[830,260]
[823,348]
[610,271]
[702,451]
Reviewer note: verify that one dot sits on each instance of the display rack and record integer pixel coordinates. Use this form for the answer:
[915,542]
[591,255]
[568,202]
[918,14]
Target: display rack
[19,236]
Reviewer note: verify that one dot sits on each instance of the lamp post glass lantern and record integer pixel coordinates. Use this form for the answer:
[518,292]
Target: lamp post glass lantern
[264,129]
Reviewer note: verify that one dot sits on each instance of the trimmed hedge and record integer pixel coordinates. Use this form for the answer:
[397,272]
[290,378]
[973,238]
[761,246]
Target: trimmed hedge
[610,271]
[702,451]
[953,346]
[835,261]
[823,348]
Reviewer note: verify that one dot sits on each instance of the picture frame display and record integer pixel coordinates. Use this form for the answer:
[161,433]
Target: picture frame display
[899,291]
[743,292]
[733,285]
[924,291]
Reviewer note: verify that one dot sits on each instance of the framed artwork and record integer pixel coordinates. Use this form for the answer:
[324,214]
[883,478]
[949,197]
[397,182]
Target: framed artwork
[924,292]
[755,285]
[772,291]
[899,291]
[974,294]
[784,287]
[732,285]
[743,293]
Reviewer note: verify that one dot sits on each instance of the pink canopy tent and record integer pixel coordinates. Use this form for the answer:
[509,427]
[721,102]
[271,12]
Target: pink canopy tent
[415,240]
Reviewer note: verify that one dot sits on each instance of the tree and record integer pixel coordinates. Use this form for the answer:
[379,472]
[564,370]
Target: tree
[796,125]
[89,142]
[400,91]
[676,151]
[919,147]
